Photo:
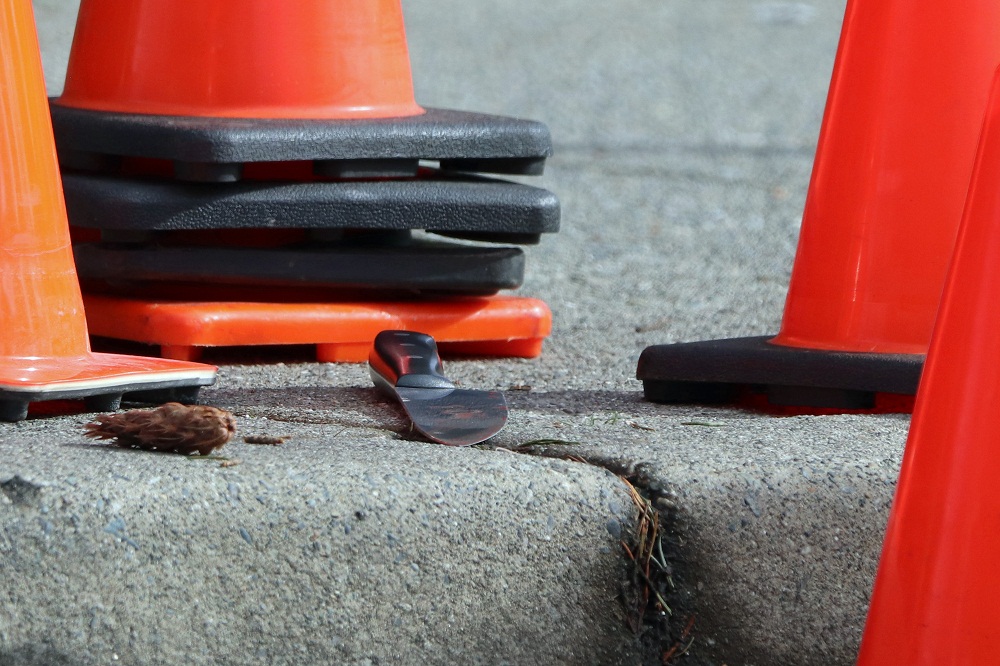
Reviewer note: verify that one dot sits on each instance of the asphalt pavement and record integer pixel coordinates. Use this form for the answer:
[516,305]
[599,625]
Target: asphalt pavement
[684,132]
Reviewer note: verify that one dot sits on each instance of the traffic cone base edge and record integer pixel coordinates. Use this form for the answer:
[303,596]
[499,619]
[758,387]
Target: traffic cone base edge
[717,370]
[418,267]
[342,332]
[458,140]
[457,205]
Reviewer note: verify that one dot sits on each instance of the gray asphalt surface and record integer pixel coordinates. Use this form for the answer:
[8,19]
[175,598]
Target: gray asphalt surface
[684,134]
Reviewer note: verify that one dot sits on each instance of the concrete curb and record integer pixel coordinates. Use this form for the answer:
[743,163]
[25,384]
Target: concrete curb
[321,550]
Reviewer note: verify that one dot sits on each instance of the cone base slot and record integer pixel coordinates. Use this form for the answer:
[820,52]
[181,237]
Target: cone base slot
[481,208]
[722,371]
[341,332]
[459,140]
[418,267]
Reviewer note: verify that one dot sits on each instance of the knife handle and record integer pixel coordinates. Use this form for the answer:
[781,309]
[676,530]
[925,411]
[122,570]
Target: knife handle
[407,359]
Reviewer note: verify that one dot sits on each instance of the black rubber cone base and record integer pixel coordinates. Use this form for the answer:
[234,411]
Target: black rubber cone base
[214,149]
[718,371]
[410,266]
[460,206]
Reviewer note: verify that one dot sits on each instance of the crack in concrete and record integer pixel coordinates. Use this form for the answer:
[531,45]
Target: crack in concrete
[665,636]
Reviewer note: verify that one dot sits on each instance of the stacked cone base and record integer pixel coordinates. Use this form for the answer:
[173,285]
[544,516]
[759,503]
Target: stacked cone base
[412,267]
[101,380]
[724,371]
[462,206]
[342,332]
[217,149]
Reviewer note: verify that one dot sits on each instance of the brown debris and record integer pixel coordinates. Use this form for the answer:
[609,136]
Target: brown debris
[172,427]
[680,648]
[650,571]
[266,440]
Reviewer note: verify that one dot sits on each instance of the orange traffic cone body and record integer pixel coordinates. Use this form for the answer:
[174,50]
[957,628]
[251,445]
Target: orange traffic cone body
[891,175]
[935,596]
[44,348]
[219,58]
[888,185]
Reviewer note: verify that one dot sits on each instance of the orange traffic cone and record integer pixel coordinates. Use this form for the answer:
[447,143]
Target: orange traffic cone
[935,597]
[219,91]
[224,59]
[44,348]
[892,168]
[214,85]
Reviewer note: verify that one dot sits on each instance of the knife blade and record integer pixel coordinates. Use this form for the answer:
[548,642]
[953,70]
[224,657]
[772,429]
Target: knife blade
[405,365]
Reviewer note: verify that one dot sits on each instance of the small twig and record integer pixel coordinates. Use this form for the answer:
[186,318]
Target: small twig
[650,586]
[545,442]
[688,627]
[672,652]
[663,558]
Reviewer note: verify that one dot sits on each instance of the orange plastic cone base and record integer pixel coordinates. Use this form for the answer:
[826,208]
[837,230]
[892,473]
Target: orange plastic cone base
[935,597]
[891,174]
[342,332]
[102,380]
[320,59]
[44,348]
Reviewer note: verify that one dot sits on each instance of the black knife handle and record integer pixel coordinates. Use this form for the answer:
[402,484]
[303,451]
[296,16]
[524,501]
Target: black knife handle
[408,359]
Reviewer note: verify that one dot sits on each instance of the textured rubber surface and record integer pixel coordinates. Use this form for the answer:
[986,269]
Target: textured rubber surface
[714,370]
[416,267]
[483,208]
[459,140]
